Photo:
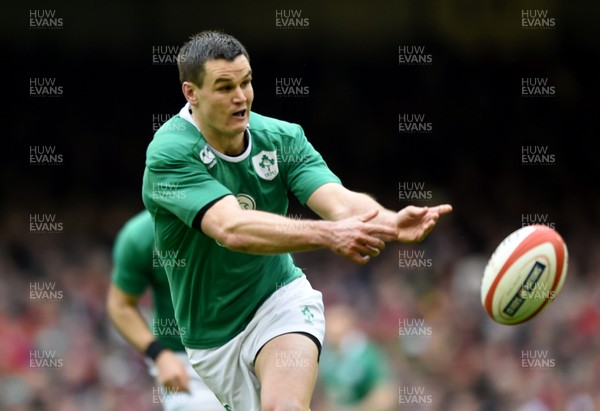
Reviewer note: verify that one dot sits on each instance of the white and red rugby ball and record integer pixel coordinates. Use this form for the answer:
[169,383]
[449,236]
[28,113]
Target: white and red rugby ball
[524,274]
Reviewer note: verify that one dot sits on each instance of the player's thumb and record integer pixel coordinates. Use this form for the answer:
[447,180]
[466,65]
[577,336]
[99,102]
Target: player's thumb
[417,211]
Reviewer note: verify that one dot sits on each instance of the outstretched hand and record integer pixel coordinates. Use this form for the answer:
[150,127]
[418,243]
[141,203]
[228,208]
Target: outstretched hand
[359,238]
[415,223]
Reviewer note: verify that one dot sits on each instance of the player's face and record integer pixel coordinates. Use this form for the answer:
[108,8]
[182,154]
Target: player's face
[225,98]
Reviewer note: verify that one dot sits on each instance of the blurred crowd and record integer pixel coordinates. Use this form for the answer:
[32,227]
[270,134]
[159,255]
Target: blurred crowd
[58,351]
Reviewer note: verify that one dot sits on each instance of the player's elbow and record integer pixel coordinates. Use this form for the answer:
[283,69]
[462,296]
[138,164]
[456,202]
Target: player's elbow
[223,222]
[230,238]
[111,305]
[117,302]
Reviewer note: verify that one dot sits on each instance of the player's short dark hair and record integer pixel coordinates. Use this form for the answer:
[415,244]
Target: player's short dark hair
[204,46]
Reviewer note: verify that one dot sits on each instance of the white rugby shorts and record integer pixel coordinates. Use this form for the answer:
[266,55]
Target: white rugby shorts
[229,369]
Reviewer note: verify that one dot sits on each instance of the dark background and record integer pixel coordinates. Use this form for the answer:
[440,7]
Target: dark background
[348,56]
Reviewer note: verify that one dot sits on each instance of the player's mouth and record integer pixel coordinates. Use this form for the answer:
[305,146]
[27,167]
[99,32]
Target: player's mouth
[240,114]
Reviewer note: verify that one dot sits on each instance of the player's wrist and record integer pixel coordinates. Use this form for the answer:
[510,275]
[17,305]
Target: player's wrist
[154,349]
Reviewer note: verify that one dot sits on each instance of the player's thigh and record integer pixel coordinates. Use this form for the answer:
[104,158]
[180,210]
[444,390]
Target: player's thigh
[287,368]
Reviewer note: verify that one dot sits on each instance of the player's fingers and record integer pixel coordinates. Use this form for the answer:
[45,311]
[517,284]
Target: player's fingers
[443,209]
[380,230]
[178,383]
[373,242]
[184,382]
[359,258]
[366,250]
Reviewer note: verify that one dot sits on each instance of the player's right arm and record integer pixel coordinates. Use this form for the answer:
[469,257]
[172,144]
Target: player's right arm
[258,232]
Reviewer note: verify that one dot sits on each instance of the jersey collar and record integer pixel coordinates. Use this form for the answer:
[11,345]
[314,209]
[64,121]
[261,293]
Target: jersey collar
[186,114]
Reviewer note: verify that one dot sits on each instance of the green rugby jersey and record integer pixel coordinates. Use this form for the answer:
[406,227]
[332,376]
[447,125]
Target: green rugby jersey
[216,291]
[136,266]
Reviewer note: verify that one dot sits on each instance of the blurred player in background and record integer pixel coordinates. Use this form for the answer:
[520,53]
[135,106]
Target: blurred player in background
[135,268]
[355,374]
[216,185]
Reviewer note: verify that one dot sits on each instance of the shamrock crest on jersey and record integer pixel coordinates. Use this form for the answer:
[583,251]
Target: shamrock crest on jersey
[265,164]
[308,315]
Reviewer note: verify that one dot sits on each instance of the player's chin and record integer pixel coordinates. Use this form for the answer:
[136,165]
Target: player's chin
[238,124]
[237,129]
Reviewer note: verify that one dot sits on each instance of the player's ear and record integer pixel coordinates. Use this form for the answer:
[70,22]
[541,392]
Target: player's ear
[189,92]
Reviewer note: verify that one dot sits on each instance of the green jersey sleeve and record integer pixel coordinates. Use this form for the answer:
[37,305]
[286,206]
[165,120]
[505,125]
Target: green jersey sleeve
[176,179]
[132,255]
[306,168]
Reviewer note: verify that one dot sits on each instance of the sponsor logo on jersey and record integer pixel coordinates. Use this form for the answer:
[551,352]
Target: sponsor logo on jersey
[208,157]
[265,164]
[246,202]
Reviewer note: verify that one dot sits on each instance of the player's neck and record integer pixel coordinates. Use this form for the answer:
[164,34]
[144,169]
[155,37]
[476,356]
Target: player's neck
[230,146]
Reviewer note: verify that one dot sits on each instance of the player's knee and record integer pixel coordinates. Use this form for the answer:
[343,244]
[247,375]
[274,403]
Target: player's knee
[283,404]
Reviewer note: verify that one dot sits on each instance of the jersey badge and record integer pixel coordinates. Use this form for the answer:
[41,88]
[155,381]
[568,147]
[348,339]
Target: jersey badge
[265,164]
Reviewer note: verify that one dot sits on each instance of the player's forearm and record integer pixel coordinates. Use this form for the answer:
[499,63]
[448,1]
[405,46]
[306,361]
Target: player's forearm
[258,232]
[359,203]
[335,202]
[130,324]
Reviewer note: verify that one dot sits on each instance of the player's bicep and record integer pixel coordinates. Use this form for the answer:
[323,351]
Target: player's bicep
[119,299]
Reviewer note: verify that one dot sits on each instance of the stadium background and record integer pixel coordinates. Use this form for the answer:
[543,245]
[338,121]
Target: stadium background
[106,59]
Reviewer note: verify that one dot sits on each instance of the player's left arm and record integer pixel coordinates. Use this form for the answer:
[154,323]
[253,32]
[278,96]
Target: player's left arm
[333,201]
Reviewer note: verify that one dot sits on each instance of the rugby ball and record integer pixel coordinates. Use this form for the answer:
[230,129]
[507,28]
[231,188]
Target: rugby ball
[524,274]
